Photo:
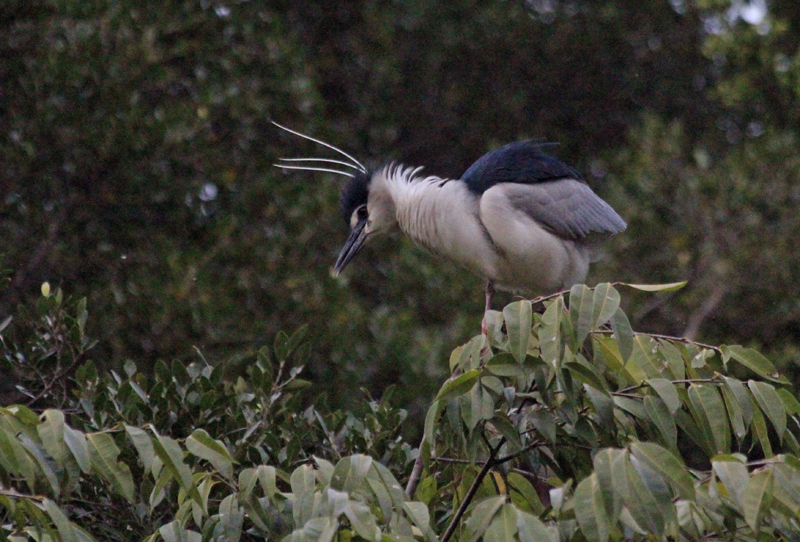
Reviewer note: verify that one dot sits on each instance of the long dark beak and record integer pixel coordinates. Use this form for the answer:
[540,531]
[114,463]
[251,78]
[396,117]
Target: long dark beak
[351,247]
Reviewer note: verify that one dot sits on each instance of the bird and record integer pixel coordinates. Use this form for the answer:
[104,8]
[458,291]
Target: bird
[520,218]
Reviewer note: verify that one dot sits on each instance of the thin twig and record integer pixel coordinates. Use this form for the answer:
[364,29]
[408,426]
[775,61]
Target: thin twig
[682,381]
[535,444]
[472,490]
[16,495]
[79,358]
[664,337]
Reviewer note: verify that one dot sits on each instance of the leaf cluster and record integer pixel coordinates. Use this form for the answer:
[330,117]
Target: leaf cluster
[558,425]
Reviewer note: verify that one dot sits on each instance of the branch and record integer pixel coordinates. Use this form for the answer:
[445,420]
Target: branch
[535,444]
[15,495]
[79,358]
[472,490]
[684,340]
[416,472]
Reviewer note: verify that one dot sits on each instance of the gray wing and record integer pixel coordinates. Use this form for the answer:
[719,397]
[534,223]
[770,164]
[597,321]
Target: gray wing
[567,207]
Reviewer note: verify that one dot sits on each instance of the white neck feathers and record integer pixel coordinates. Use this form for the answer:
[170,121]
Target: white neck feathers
[423,204]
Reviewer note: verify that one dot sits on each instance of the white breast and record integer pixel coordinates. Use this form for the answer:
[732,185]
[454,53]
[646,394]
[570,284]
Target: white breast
[443,216]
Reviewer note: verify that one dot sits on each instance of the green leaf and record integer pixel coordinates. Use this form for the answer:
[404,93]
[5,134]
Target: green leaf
[82,316]
[231,519]
[350,473]
[51,433]
[759,427]
[281,346]
[674,359]
[103,453]
[503,527]
[362,520]
[459,385]
[735,414]
[302,481]
[666,390]
[267,479]
[644,363]
[431,419]
[418,513]
[173,532]
[76,442]
[603,405]
[587,375]
[518,317]
[480,406]
[502,423]
[790,402]
[248,478]
[757,498]
[709,413]
[603,462]
[144,446]
[200,444]
[770,402]
[650,509]
[482,515]
[468,357]
[523,494]
[581,307]
[742,397]
[531,529]
[670,287]
[545,423]
[550,332]
[4,324]
[324,471]
[632,406]
[606,303]
[623,333]
[66,530]
[44,463]
[733,474]
[504,364]
[320,529]
[170,453]
[753,360]
[590,510]
[667,465]
[393,488]
[663,419]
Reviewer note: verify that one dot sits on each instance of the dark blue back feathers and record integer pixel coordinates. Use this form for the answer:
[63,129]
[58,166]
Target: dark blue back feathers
[519,162]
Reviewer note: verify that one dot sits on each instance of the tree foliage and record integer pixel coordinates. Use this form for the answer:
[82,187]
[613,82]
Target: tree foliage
[137,156]
[560,424]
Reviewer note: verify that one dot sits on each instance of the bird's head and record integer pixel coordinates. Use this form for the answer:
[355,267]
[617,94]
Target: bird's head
[369,210]
[366,204]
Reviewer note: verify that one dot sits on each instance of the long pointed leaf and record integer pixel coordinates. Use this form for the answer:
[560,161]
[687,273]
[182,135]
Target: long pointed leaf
[103,453]
[606,302]
[590,510]
[170,453]
[518,317]
[770,402]
[581,307]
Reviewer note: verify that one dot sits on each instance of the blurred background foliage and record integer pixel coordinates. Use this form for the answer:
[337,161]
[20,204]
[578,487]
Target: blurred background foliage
[136,155]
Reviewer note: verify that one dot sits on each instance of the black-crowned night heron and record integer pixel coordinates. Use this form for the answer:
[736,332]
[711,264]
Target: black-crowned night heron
[522,219]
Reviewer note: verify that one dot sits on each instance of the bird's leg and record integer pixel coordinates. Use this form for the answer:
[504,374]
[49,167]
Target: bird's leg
[489,295]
